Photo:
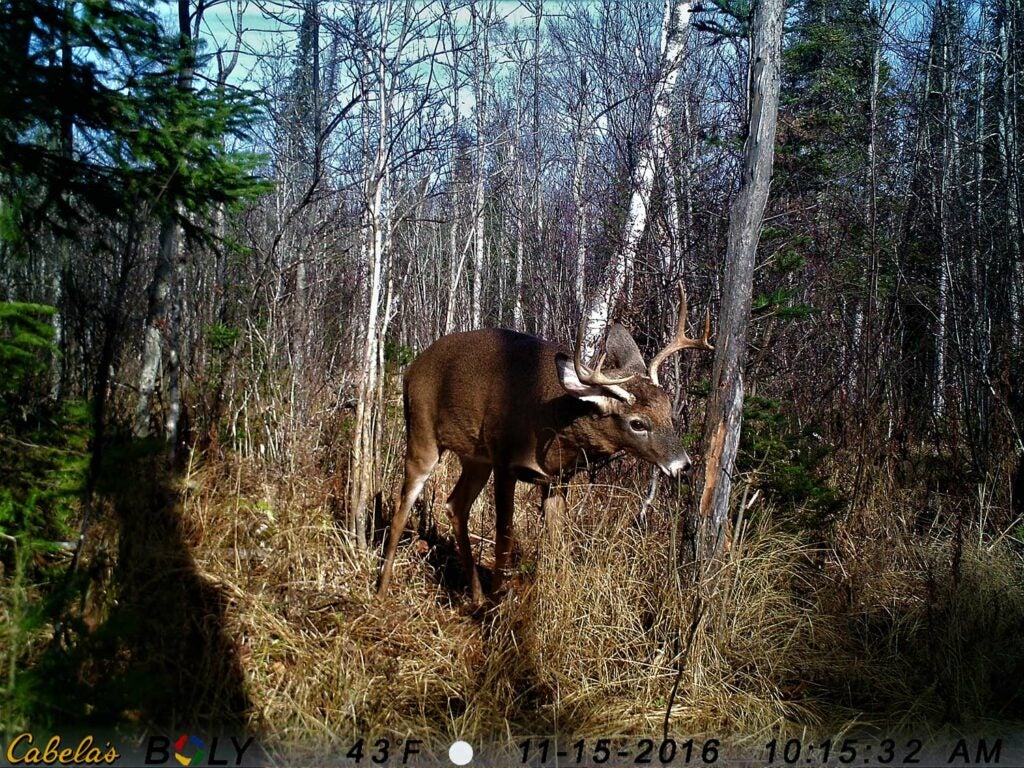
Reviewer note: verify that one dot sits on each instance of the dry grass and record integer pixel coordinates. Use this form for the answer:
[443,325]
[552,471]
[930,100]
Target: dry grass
[877,623]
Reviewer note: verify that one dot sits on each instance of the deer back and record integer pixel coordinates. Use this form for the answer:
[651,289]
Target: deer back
[512,400]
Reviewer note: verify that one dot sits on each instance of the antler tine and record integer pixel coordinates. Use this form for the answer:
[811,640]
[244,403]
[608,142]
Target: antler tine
[681,341]
[584,374]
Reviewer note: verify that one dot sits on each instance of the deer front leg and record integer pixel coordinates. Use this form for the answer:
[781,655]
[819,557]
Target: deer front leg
[504,514]
[471,482]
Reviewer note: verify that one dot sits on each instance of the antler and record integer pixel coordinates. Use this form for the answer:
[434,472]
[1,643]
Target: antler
[681,340]
[584,374]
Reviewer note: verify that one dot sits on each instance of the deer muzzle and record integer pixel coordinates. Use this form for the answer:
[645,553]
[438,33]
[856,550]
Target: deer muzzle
[680,467]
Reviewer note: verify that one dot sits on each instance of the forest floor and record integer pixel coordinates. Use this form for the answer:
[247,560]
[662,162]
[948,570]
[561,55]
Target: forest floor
[227,595]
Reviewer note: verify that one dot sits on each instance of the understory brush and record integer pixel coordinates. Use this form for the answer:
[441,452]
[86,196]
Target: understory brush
[606,628]
[229,592]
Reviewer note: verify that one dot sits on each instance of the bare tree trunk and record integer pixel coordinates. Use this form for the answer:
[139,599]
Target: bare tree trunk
[160,287]
[481,32]
[173,418]
[722,428]
[516,159]
[152,350]
[66,141]
[861,344]
[375,224]
[535,202]
[579,174]
[454,261]
[518,315]
[673,40]
[947,178]
[687,162]
[867,338]
[1008,167]
[58,356]
[454,253]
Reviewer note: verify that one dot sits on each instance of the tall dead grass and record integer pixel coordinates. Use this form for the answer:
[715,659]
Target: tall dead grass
[602,633]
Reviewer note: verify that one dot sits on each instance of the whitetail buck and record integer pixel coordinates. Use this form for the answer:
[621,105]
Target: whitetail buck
[518,406]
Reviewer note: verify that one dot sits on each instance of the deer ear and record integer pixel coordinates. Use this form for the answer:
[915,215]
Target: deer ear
[623,352]
[607,398]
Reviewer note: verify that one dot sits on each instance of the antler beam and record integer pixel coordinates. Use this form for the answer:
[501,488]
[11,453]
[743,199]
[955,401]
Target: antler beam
[681,341]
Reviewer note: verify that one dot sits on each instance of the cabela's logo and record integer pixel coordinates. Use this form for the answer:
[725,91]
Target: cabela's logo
[23,751]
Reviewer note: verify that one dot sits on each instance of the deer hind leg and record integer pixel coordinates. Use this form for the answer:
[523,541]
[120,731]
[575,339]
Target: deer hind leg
[418,466]
[504,512]
[471,482]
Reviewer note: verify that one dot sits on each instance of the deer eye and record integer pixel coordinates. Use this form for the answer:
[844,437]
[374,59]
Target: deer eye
[639,425]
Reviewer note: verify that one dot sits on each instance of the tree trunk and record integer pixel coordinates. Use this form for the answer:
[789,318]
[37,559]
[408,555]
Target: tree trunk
[66,142]
[481,69]
[722,427]
[519,205]
[455,255]
[374,225]
[579,174]
[1008,167]
[160,287]
[535,201]
[175,320]
[156,315]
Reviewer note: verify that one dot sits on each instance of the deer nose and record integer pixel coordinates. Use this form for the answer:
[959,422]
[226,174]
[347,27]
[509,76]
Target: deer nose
[681,467]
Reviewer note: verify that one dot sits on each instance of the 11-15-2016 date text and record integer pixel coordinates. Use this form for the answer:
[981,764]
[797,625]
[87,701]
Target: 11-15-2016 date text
[794,751]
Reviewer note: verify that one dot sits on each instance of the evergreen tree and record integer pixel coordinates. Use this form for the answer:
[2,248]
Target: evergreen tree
[827,81]
[68,74]
[91,123]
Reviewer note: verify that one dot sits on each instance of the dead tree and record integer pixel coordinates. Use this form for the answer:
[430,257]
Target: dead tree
[722,425]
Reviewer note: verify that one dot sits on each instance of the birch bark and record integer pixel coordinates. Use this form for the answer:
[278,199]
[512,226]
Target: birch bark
[481,69]
[654,147]
[375,224]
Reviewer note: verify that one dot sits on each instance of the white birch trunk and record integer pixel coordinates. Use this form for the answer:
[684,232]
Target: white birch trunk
[454,258]
[375,218]
[535,197]
[948,171]
[518,315]
[481,70]
[864,311]
[362,444]
[454,255]
[516,159]
[673,40]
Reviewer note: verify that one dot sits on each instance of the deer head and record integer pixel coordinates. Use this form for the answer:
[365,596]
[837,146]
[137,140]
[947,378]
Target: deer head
[635,411]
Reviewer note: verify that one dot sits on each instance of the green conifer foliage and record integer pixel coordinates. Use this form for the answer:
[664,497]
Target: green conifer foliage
[91,123]
[827,82]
